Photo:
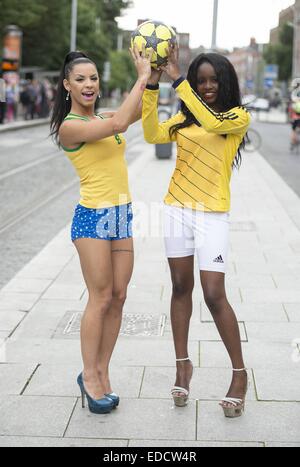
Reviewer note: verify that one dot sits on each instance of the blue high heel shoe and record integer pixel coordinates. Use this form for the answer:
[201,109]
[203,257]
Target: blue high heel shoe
[100,406]
[114,398]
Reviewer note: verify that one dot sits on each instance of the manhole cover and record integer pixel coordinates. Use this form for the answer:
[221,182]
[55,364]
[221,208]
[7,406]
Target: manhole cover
[243,227]
[132,325]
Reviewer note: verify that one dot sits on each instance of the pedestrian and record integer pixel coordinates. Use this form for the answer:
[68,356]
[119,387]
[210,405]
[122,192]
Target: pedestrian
[209,132]
[101,228]
[10,103]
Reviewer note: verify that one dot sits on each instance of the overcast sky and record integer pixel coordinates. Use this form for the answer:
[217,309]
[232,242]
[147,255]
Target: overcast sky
[239,20]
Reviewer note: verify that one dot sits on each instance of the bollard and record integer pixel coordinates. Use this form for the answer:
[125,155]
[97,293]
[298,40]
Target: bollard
[164,151]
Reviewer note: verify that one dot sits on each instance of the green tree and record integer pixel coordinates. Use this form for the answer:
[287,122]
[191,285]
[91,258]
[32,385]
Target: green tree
[282,53]
[46,28]
[123,73]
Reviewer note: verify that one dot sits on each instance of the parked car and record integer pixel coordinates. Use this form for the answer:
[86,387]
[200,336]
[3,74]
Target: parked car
[258,104]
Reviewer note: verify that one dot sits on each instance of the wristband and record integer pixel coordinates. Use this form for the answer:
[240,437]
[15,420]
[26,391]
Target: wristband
[152,87]
[178,82]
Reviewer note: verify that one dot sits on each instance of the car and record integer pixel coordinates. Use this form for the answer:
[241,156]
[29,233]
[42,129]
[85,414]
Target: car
[248,99]
[259,104]
[166,94]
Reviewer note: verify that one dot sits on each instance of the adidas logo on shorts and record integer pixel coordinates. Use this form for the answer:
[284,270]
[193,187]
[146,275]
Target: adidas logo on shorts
[219,259]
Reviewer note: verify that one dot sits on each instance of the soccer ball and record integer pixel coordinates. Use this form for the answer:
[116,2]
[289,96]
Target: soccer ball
[157,36]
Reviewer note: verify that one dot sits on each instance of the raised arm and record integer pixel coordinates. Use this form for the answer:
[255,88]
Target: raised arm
[235,121]
[154,131]
[78,131]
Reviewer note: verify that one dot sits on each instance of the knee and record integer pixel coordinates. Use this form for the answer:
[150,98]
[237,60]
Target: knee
[214,299]
[101,300]
[119,296]
[182,288]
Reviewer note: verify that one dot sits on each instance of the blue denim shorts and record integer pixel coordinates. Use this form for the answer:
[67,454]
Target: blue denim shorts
[114,223]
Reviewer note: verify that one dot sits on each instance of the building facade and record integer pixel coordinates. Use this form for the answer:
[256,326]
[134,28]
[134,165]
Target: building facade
[247,62]
[296,57]
[285,16]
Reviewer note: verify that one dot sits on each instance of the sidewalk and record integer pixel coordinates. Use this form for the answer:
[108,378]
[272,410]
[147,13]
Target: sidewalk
[39,322]
[23,124]
[273,116]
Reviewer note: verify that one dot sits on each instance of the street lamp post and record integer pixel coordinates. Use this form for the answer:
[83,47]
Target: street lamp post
[74,25]
[215,25]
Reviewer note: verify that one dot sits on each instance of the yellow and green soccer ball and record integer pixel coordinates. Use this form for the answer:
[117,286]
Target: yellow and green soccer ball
[157,36]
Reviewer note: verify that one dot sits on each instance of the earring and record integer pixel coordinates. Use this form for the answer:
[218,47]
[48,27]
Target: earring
[68,96]
[100,95]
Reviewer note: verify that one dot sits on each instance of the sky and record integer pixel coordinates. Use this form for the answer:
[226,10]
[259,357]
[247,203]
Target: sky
[238,20]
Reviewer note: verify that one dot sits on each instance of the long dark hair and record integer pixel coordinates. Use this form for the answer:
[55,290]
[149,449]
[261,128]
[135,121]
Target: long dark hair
[229,94]
[62,106]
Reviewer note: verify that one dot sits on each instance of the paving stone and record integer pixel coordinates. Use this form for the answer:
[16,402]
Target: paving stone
[278,385]
[250,280]
[60,380]
[14,377]
[257,354]
[33,271]
[34,416]
[149,294]
[65,291]
[56,306]
[207,383]
[270,296]
[280,333]
[189,444]
[43,351]
[256,313]
[209,332]
[17,301]
[26,285]
[136,419]
[39,325]
[10,319]
[287,281]
[261,422]
[43,442]
[282,445]
[149,352]
[293,311]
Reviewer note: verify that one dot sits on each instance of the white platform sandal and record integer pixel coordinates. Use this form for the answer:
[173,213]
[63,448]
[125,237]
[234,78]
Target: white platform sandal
[237,406]
[180,400]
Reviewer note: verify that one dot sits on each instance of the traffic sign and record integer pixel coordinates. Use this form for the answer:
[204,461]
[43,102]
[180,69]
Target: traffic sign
[271,72]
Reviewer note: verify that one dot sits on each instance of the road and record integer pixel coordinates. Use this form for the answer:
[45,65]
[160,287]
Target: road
[275,149]
[39,190]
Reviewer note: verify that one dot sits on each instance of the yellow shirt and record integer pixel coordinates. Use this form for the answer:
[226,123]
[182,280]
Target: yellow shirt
[201,179]
[102,169]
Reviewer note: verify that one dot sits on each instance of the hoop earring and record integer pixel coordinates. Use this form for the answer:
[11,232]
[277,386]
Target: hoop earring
[68,96]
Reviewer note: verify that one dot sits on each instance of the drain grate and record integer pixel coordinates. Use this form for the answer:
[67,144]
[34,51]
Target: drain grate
[132,325]
[143,325]
[243,227]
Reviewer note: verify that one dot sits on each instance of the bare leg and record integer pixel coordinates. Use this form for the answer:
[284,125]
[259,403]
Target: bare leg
[182,274]
[213,284]
[122,263]
[96,264]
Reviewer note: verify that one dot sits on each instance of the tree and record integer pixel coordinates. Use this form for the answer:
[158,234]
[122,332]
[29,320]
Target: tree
[281,54]
[46,28]
[123,73]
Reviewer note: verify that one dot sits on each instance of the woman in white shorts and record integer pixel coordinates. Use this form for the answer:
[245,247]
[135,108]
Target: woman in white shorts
[209,132]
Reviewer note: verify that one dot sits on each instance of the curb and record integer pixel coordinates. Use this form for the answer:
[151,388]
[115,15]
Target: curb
[23,124]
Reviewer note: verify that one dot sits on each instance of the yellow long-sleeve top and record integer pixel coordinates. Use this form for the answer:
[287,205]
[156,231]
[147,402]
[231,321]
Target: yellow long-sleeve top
[201,179]
[102,169]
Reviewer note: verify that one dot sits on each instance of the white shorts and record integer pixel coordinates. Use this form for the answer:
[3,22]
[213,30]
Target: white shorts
[187,231]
